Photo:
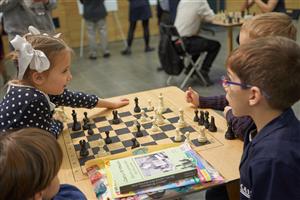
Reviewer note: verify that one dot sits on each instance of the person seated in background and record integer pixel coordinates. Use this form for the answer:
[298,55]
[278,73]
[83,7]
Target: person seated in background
[190,15]
[30,161]
[265,5]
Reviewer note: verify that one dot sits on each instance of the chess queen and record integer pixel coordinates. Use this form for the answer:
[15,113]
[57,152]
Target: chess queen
[44,64]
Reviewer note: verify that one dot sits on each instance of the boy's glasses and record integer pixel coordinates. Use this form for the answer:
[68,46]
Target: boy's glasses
[226,82]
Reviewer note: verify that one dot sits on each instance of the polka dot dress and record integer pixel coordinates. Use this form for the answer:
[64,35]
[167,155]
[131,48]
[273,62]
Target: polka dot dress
[25,106]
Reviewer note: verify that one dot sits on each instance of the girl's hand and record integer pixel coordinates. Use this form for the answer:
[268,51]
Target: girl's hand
[191,96]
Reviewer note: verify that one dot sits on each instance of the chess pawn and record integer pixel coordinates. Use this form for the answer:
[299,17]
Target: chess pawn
[181,122]
[154,127]
[202,137]
[150,107]
[134,127]
[229,135]
[83,148]
[101,152]
[212,126]
[187,137]
[178,136]
[196,118]
[137,109]
[206,119]
[161,107]
[135,143]
[159,118]
[201,119]
[143,116]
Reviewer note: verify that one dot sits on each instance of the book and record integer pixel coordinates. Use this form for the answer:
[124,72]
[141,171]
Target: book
[149,170]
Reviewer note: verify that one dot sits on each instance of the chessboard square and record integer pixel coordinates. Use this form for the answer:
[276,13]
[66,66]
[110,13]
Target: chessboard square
[77,134]
[145,139]
[92,125]
[82,160]
[143,131]
[115,146]
[99,119]
[118,151]
[165,141]
[188,128]
[168,110]
[125,137]
[105,128]
[137,116]
[124,114]
[198,144]
[167,127]
[147,125]
[159,136]
[127,143]
[111,122]
[129,123]
[93,137]
[77,140]
[114,139]
[170,133]
[173,119]
[122,131]
[95,150]
[149,143]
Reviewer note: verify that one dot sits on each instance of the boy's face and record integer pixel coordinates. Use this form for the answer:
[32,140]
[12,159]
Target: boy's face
[52,189]
[236,96]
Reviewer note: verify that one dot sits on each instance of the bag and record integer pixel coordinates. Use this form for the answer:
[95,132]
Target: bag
[169,59]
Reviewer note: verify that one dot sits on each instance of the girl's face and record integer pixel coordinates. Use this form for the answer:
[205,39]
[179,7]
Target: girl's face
[51,190]
[59,74]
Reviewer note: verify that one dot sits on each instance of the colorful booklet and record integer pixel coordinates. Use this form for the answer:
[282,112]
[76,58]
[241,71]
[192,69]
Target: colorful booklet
[157,168]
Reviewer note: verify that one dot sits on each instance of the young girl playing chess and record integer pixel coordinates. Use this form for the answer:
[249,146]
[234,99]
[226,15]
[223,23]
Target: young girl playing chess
[43,73]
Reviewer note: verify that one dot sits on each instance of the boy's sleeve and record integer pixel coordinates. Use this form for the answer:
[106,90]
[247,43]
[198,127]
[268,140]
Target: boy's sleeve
[74,99]
[274,180]
[214,102]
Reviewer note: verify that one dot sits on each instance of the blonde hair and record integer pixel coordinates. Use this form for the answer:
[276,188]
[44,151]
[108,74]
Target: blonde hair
[29,160]
[270,24]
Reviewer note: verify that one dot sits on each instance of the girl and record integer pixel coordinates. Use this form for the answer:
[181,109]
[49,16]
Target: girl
[29,167]
[43,74]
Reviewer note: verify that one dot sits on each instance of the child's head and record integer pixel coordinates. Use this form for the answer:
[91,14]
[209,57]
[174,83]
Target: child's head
[29,162]
[268,24]
[43,62]
[269,70]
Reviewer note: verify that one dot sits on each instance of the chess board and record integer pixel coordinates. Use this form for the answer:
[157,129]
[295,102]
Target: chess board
[121,135]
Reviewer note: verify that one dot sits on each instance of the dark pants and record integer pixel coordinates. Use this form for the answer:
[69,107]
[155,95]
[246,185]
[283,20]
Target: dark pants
[132,29]
[217,193]
[197,44]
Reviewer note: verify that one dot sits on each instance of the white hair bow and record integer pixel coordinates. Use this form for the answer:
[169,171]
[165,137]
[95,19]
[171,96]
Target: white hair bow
[35,59]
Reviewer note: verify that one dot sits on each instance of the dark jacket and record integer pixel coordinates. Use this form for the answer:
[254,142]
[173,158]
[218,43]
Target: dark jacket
[93,10]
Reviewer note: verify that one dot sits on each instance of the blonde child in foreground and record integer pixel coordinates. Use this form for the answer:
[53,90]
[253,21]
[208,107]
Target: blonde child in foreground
[44,64]
[29,167]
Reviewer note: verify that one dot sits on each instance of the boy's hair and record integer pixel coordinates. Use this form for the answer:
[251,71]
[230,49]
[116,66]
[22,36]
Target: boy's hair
[50,45]
[29,160]
[273,65]
[270,24]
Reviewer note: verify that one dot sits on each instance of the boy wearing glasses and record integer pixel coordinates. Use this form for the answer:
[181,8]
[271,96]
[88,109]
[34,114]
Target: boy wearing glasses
[268,24]
[263,83]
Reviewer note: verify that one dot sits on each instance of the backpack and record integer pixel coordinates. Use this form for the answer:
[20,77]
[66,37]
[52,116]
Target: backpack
[169,59]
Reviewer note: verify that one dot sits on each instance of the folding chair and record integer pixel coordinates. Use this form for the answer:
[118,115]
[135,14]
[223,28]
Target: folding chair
[177,42]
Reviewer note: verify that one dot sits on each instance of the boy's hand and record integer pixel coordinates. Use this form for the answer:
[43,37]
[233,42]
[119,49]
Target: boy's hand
[226,109]
[192,97]
[119,103]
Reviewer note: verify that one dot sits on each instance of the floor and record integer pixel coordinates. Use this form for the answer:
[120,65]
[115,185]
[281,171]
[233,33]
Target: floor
[119,75]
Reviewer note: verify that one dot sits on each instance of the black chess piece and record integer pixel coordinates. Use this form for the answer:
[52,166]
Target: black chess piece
[196,118]
[229,135]
[85,125]
[201,119]
[90,130]
[238,20]
[139,133]
[206,119]
[83,148]
[135,143]
[86,117]
[230,20]
[212,126]
[243,14]
[137,109]
[107,139]
[76,125]
[116,119]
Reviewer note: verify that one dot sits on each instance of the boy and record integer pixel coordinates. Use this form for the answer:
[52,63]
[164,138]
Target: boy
[30,160]
[268,24]
[263,83]
[94,13]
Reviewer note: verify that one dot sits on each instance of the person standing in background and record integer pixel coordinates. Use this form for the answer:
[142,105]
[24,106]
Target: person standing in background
[94,13]
[3,71]
[265,5]
[18,15]
[138,10]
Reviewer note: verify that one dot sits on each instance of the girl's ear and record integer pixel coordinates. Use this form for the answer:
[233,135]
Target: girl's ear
[255,96]
[38,78]
[38,196]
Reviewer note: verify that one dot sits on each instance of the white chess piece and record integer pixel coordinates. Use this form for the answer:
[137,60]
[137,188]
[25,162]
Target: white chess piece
[202,137]
[178,136]
[101,151]
[143,116]
[150,107]
[161,106]
[154,127]
[134,128]
[181,122]
[159,118]
[187,136]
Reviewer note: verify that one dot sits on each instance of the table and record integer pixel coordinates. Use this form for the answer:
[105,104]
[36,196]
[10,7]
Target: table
[225,156]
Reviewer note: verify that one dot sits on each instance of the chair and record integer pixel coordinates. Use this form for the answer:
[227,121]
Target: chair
[190,65]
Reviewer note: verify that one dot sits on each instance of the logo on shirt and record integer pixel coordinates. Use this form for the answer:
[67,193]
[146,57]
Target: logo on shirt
[244,191]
